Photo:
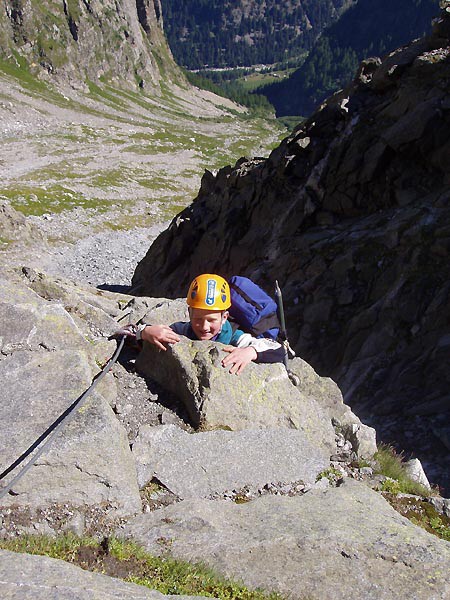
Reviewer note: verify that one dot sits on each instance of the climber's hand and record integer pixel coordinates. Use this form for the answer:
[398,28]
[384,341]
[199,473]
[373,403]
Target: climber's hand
[160,336]
[238,358]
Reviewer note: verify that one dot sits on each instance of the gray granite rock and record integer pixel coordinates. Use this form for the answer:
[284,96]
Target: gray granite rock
[28,577]
[341,542]
[50,352]
[415,470]
[204,464]
[262,396]
[29,322]
[89,462]
[325,391]
[318,389]
[162,311]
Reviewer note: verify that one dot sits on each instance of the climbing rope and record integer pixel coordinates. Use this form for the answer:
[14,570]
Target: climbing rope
[52,431]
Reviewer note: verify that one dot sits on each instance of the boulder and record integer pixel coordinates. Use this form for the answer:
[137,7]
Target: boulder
[261,397]
[89,462]
[14,226]
[333,543]
[318,390]
[322,390]
[212,463]
[415,470]
[28,577]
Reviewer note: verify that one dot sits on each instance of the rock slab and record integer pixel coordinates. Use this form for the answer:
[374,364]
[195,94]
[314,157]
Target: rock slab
[202,465]
[340,543]
[28,577]
[50,348]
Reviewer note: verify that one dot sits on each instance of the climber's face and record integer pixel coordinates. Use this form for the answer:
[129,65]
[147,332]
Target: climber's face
[205,323]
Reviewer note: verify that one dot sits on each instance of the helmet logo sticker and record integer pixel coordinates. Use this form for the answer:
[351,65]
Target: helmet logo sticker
[210,292]
[223,293]
[194,289]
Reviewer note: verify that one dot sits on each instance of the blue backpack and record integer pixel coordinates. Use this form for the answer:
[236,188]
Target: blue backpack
[253,309]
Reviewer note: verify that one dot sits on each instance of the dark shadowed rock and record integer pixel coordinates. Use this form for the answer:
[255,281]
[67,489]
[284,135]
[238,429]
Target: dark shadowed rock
[338,543]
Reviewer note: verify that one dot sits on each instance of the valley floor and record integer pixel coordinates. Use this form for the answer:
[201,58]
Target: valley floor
[100,171]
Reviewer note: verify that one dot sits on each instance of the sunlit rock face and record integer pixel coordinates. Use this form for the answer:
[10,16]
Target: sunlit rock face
[106,41]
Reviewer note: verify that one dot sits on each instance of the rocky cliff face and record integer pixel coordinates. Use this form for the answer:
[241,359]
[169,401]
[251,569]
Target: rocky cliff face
[352,215]
[78,39]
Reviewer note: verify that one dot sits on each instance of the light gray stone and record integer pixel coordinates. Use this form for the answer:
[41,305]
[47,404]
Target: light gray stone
[262,396]
[28,577]
[203,464]
[161,311]
[15,226]
[93,311]
[340,543]
[89,462]
[49,356]
[415,470]
[39,313]
[28,322]
[442,505]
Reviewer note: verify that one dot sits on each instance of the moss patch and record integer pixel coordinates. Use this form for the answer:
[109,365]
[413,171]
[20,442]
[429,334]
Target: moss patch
[33,200]
[4,243]
[332,474]
[422,513]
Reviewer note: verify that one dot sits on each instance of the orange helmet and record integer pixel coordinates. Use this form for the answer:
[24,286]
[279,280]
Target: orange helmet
[209,291]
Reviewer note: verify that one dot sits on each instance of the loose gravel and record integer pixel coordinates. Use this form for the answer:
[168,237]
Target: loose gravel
[106,259]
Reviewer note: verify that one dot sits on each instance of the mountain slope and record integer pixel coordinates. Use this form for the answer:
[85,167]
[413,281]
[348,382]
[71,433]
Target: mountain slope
[366,29]
[74,40]
[110,137]
[245,32]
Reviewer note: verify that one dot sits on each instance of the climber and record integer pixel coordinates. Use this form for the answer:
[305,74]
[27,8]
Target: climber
[209,299]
